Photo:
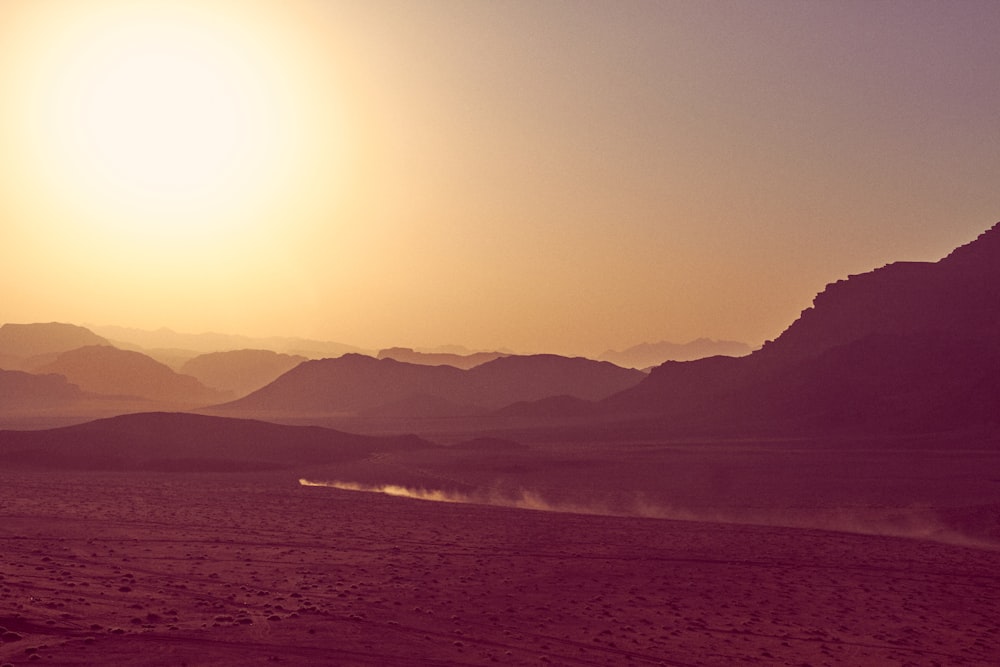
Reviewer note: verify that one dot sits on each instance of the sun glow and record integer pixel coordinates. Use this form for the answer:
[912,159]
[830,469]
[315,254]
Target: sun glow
[160,115]
[157,121]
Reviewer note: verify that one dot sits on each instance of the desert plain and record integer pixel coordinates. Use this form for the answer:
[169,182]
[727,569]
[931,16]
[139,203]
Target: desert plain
[786,552]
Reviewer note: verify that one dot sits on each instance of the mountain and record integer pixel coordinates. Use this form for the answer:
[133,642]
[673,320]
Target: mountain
[911,346]
[103,369]
[516,378]
[960,294]
[355,384]
[464,361]
[646,355]
[345,385]
[179,442]
[22,344]
[240,371]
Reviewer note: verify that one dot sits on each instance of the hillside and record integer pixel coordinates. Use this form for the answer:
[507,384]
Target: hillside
[103,369]
[240,371]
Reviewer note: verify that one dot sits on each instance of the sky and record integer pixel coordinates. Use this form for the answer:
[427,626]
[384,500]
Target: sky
[565,177]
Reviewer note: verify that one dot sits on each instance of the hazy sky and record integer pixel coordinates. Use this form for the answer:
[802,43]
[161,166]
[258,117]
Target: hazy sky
[540,176]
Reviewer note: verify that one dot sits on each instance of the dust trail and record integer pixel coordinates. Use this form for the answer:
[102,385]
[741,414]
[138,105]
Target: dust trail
[396,490]
[521,499]
[911,523]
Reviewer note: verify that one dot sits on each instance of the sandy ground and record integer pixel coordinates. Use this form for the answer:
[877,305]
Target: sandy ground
[158,569]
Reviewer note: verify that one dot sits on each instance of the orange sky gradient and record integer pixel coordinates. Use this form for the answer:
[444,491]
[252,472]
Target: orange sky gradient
[544,177]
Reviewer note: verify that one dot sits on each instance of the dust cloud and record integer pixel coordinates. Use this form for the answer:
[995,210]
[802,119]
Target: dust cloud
[910,523]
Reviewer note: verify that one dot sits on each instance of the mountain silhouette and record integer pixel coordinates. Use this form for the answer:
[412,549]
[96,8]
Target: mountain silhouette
[464,361]
[103,369]
[646,355]
[180,442]
[346,385]
[911,346]
[27,346]
[516,378]
[354,384]
[240,371]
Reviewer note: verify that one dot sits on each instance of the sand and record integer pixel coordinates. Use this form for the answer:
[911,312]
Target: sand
[241,569]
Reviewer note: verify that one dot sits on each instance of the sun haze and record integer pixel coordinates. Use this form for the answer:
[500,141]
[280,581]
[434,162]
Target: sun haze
[559,177]
[159,148]
[160,108]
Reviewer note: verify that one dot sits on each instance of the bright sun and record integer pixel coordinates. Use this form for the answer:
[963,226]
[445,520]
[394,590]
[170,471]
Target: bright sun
[166,119]
[162,112]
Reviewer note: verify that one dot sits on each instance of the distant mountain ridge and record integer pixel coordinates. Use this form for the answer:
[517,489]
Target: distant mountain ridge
[355,383]
[464,361]
[165,338]
[907,347]
[645,355]
[21,345]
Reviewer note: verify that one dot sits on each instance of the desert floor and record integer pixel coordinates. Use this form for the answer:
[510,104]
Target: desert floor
[161,569]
